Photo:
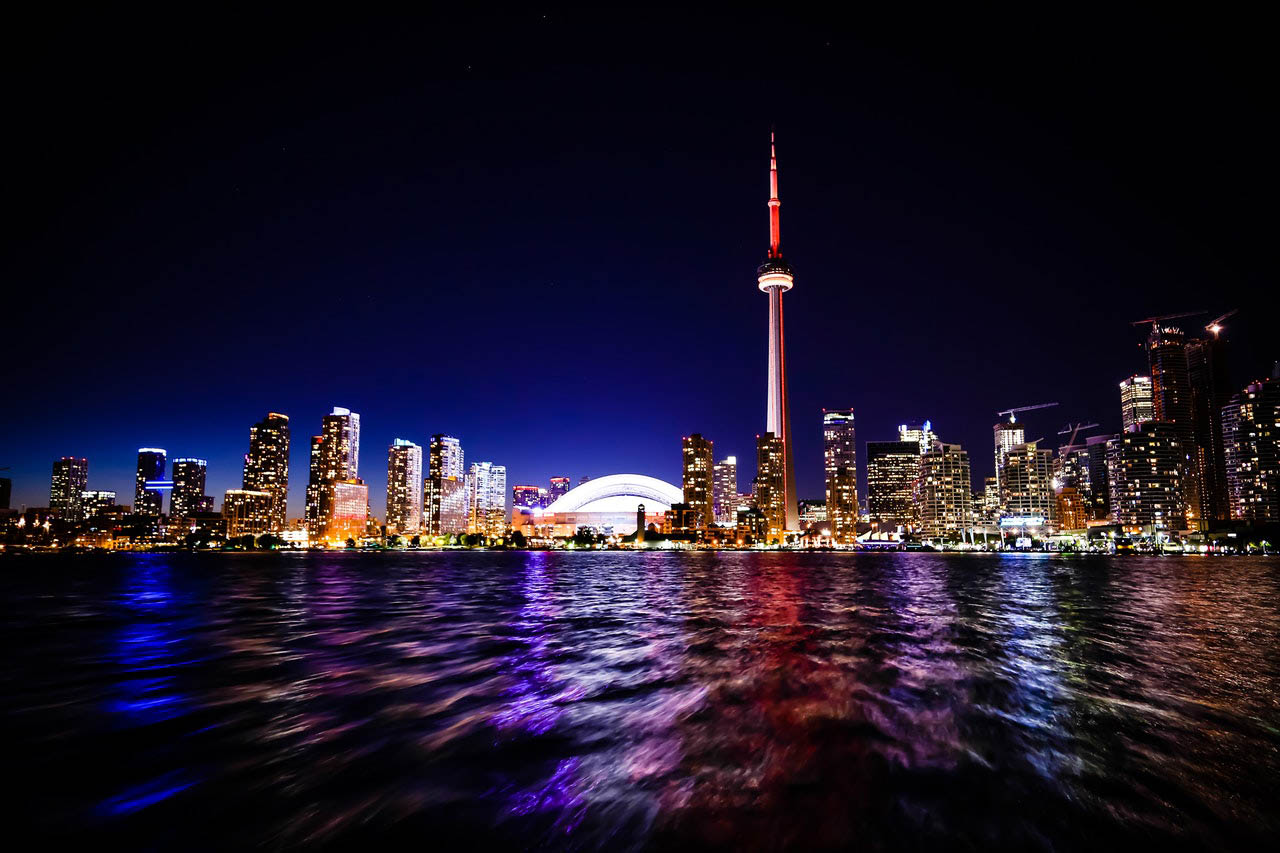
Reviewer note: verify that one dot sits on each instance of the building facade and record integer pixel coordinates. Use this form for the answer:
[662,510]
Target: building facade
[892,469]
[944,493]
[151,466]
[1026,484]
[1171,403]
[1251,444]
[335,458]
[724,485]
[1210,391]
[266,465]
[1145,469]
[840,473]
[67,485]
[697,467]
[247,512]
[1136,402]
[188,497]
[487,499]
[771,494]
[404,487]
[445,497]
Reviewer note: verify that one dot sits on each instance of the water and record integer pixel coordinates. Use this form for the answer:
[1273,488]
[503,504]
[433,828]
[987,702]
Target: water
[585,701]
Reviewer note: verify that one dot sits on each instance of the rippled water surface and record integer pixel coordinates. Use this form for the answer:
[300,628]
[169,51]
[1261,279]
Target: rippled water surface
[613,700]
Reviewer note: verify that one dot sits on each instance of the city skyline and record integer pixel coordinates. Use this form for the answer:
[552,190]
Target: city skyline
[1029,206]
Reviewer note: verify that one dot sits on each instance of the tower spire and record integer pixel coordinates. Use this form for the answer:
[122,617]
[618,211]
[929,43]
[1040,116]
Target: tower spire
[775,228]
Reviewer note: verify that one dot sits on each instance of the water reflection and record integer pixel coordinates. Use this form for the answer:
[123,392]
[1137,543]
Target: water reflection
[646,700]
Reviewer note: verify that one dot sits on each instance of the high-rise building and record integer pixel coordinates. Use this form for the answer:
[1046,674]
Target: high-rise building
[987,506]
[66,487]
[775,278]
[487,499]
[247,511]
[1210,391]
[560,486]
[94,502]
[526,496]
[1026,483]
[151,464]
[1145,469]
[1251,445]
[404,487]
[1136,405]
[188,497]
[921,434]
[724,488]
[1008,435]
[892,468]
[840,470]
[335,457]
[771,494]
[445,498]
[266,465]
[349,513]
[944,492]
[1171,399]
[698,462]
[1099,496]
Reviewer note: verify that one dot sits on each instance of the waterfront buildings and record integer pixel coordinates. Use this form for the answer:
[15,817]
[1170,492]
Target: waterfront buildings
[151,465]
[248,512]
[266,465]
[771,495]
[892,468]
[775,278]
[349,512]
[1136,406]
[1074,513]
[96,502]
[445,496]
[1210,391]
[1008,435]
[697,465]
[840,470]
[335,458]
[1171,398]
[404,487]
[1026,484]
[188,497]
[724,486]
[1099,495]
[1251,444]
[944,493]
[1145,469]
[66,487]
[487,499]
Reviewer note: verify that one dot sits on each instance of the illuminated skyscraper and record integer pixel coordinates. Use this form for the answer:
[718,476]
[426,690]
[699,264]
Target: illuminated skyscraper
[1171,404]
[1026,483]
[1008,435]
[266,465]
[1251,444]
[771,484]
[1099,496]
[444,503]
[840,469]
[921,434]
[775,278]
[725,491]
[404,487]
[188,497]
[1210,390]
[151,464]
[1145,469]
[944,493]
[698,462]
[487,499]
[892,468]
[1135,402]
[335,457]
[66,487]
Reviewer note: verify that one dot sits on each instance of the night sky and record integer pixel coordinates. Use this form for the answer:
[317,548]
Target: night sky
[540,234]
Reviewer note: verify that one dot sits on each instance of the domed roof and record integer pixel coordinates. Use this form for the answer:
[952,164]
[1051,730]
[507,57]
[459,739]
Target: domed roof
[618,493]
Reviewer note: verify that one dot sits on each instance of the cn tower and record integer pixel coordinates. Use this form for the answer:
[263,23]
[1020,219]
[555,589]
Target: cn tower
[775,279]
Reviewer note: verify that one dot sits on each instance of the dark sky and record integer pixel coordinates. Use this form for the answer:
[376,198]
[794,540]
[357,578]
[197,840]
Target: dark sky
[540,233]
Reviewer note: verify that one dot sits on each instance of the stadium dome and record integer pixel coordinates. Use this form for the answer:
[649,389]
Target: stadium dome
[618,493]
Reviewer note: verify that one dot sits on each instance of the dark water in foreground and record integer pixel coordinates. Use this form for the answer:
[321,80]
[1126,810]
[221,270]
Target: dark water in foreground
[878,701]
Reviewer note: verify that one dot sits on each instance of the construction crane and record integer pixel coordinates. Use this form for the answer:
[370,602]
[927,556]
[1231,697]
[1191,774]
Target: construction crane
[1074,430]
[1155,321]
[1012,413]
[1215,326]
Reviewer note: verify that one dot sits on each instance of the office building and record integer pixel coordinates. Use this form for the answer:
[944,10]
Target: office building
[1145,469]
[247,512]
[66,487]
[840,473]
[1136,405]
[697,465]
[151,466]
[404,487]
[892,468]
[188,497]
[944,493]
[445,498]
[724,485]
[1251,445]
[266,465]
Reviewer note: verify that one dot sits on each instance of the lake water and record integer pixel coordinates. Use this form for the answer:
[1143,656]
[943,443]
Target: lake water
[622,700]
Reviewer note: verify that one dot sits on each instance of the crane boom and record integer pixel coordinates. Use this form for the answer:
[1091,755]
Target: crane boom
[1012,413]
[1215,326]
[1155,321]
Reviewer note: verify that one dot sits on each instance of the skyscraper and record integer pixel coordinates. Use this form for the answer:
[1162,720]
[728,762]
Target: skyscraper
[404,486]
[944,493]
[698,462]
[188,497]
[335,457]
[1136,406]
[1099,496]
[444,503]
[66,487]
[725,491]
[1008,435]
[1145,469]
[1210,391]
[487,499]
[892,468]
[1026,483]
[1171,403]
[771,484]
[266,465]
[1251,444]
[840,469]
[921,434]
[774,278]
[151,463]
